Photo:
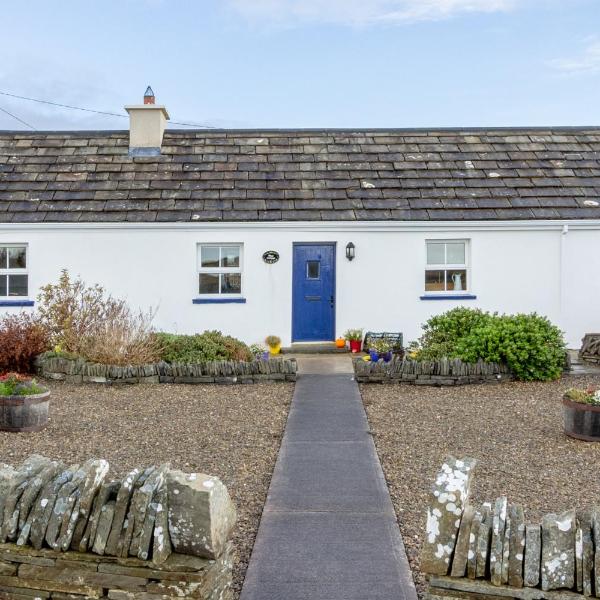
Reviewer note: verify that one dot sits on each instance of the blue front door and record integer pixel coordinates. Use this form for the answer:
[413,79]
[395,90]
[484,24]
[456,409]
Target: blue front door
[313,310]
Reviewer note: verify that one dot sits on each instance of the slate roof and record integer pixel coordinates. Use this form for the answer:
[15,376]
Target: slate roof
[302,175]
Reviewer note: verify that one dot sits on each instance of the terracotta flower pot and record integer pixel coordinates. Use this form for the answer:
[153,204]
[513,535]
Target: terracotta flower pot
[582,421]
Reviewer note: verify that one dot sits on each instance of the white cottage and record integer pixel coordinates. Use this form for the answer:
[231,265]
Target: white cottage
[306,233]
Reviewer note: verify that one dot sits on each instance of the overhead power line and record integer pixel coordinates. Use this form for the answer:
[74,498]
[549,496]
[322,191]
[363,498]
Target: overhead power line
[91,110]
[17,118]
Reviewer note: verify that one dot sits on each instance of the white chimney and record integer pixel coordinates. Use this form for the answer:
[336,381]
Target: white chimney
[147,124]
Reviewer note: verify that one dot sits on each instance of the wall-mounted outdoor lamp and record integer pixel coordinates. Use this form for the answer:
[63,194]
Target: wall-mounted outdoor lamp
[350,247]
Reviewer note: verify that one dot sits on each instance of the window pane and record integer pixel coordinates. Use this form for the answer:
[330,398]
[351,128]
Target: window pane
[313,269]
[230,256]
[17,285]
[17,258]
[209,256]
[455,253]
[3,285]
[209,283]
[456,280]
[231,283]
[3,257]
[434,281]
[435,253]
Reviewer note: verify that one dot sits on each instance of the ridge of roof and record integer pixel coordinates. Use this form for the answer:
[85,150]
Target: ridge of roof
[254,130]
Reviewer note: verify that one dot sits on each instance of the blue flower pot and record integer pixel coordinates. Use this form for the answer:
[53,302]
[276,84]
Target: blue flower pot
[374,355]
[265,356]
[387,357]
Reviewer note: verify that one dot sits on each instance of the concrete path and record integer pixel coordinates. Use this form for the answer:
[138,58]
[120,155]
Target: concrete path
[328,530]
[578,367]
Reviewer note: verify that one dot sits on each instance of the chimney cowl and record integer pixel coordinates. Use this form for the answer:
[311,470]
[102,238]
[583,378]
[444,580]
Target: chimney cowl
[149,96]
[147,123]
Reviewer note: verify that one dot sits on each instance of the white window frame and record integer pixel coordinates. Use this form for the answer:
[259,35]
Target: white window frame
[219,270]
[13,271]
[466,266]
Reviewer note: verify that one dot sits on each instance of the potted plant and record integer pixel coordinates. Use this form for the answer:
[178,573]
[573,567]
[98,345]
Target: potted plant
[413,351]
[581,409]
[380,348]
[23,403]
[274,343]
[354,337]
[340,342]
[259,352]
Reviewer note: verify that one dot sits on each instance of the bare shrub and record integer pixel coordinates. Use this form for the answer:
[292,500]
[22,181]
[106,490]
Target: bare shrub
[86,321]
[124,338]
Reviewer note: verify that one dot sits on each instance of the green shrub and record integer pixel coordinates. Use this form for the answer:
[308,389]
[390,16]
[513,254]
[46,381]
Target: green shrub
[442,332]
[530,345]
[210,345]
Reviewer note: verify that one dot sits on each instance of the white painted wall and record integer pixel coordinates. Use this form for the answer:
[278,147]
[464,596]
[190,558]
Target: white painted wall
[514,268]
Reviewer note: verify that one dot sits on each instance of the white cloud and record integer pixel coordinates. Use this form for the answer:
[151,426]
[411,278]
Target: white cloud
[588,61]
[364,12]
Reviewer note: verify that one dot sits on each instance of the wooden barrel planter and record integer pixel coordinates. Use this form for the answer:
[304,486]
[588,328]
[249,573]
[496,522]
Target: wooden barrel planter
[24,413]
[582,421]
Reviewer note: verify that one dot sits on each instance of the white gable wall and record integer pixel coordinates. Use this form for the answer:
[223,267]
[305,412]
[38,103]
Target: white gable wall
[515,267]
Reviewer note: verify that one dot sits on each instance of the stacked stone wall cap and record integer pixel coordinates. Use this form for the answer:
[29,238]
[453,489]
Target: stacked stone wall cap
[199,504]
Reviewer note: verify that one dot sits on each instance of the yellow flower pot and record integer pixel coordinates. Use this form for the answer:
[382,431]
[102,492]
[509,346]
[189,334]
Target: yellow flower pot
[273,350]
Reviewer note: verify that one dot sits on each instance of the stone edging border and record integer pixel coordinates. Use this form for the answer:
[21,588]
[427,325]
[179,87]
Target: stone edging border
[444,372]
[219,371]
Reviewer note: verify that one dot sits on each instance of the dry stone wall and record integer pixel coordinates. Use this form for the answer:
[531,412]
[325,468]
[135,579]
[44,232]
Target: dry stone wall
[491,550]
[437,373]
[70,531]
[590,348]
[222,371]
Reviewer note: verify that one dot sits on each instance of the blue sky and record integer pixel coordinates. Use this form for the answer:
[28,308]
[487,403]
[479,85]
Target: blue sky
[305,63]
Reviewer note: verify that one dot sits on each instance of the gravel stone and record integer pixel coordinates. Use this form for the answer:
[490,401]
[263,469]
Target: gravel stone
[231,432]
[514,430]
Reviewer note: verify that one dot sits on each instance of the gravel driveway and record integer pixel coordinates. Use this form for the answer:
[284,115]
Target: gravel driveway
[514,430]
[233,432]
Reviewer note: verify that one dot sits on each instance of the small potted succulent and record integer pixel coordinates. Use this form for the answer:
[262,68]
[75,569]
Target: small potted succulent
[354,337]
[340,342]
[380,348]
[23,403]
[274,343]
[581,409]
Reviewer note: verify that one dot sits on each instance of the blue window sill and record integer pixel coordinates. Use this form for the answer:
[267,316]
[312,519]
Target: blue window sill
[16,303]
[219,301]
[450,297]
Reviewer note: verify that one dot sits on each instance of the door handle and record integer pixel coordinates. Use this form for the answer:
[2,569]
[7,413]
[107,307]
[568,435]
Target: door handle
[331,301]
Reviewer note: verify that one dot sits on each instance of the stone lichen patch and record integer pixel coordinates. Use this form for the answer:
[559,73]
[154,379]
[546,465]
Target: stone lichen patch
[449,496]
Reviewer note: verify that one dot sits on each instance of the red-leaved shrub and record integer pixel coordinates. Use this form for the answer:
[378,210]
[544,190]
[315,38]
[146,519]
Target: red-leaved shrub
[22,338]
